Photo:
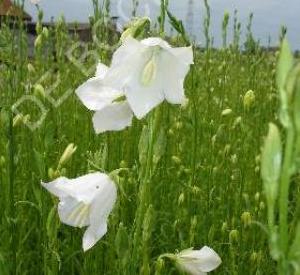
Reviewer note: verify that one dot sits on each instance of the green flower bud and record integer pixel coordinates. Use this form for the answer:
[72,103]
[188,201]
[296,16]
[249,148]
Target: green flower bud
[181,199]
[246,219]
[257,197]
[67,154]
[136,28]
[39,91]
[38,42]
[123,164]
[2,161]
[224,227]
[45,32]
[30,68]
[18,120]
[249,99]
[226,112]
[233,236]
[176,160]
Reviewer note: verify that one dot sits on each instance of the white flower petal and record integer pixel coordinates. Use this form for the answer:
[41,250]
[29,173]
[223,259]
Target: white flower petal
[101,207]
[190,268]
[90,238]
[156,41]
[203,260]
[73,212]
[174,78]
[129,47]
[101,70]
[114,117]
[209,260]
[143,98]
[82,189]
[95,95]
[184,55]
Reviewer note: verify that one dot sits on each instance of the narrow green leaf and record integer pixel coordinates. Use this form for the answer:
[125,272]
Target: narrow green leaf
[284,65]
[176,24]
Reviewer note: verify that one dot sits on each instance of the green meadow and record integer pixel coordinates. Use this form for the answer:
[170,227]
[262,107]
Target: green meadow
[202,185]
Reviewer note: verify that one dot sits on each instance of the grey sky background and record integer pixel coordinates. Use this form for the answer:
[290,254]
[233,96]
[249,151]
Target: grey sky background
[269,15]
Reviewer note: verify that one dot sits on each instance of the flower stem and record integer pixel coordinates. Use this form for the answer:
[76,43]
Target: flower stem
[144,189]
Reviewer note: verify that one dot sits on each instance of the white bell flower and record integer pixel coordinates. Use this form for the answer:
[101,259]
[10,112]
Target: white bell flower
[85,201]
[111,114]
[149,71]
[198,262]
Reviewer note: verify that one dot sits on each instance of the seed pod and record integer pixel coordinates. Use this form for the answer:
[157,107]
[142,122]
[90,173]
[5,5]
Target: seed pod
[249,99]
[246,218]
[233,236]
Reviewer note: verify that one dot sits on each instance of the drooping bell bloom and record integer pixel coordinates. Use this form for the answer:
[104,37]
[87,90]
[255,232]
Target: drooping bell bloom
[142,75]
[85,201]
[198,262]
[111,112]
[148,72]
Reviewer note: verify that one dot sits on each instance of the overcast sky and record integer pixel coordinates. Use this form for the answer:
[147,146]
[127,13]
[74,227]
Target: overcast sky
[269,15]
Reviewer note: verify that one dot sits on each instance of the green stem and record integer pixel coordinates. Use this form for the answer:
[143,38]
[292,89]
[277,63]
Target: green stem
[284,200]
[144,190]
[11,193]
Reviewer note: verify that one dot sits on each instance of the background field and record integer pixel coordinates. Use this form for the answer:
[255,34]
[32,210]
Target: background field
[206,188]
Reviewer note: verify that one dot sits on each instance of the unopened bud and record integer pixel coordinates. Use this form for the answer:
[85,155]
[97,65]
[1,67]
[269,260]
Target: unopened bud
[181,199]
[170,132]
[224,227]
[257,196]
[262,205]
[246,219]
[39,91]
[136,27]
[30,68]
[18,120]
[67,154]
[178,125]
[233,236]
[227,112]
[196,190]
[227,149]
[237,121]
[123,164]
[38,28]
[52,174]
[176,160]
[45,32]
[234,159]
[249,99]
[38,41]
